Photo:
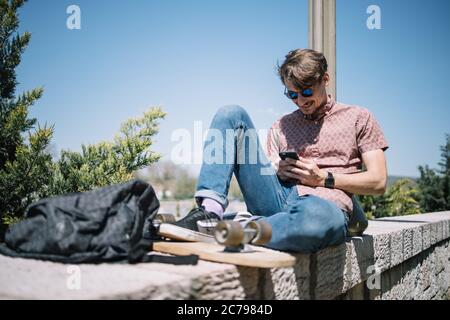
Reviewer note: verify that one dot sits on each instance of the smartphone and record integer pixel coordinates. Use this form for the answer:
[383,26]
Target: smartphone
[288,154]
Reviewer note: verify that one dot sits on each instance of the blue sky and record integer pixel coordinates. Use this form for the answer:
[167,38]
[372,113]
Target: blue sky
[193,56]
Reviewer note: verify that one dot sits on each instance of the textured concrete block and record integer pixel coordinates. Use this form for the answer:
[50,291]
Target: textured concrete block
[288,283]
[426,236]
[423,280]
[330,266]
[302,271]
[440,232]
[396,248]
[445,229]
[443,282]
[386,286]
[417,240]
[426,295]
[34,279]
[392,286]
[409,278]
[447,222]
[352,273]
[441,290]
[360,260]
[439,260]
[281,284]
[250,279]
[396,275]
[302,265]
[433,234]
[219,286]
[382,251]
[407,244]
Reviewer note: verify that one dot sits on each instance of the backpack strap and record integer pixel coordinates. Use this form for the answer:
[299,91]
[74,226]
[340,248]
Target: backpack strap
[176,260]
[138,253]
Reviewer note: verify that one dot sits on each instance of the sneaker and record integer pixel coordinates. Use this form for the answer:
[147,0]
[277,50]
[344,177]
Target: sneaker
[209,226]
[240,216]
[195,217]
[187,229]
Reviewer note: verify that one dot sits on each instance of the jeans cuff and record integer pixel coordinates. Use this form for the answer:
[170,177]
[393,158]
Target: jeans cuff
[211,194]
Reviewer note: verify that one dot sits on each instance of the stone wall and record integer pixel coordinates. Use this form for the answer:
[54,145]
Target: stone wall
[422,277]
[397,258]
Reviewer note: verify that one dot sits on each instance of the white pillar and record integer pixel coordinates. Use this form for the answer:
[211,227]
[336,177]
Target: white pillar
[322,35]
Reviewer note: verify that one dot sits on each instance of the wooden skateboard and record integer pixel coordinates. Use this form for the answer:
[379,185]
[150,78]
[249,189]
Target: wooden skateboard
[231,243]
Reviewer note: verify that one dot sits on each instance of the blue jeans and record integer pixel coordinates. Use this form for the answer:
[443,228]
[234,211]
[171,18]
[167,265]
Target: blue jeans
[299,223]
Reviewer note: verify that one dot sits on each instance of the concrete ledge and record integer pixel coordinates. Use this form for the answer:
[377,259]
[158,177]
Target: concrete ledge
[404,257]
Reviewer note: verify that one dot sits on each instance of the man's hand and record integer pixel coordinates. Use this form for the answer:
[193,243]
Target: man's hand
[369,182]
[303,171]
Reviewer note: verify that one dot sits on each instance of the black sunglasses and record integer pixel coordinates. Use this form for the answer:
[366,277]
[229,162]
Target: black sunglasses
[306,93]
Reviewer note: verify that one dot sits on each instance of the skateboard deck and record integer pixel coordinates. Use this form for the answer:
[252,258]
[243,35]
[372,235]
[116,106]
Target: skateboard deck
[181,241]
[255,256]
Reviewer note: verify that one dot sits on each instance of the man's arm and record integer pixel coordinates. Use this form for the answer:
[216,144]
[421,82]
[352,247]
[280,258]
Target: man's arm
[370,182]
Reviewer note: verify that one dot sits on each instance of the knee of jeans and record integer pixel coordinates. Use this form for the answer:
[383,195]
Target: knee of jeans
[321,221]
[304,236]
[313,229]
[232,112]
[315,236]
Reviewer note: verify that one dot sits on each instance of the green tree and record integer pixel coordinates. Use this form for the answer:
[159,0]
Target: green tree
[25,165]
[371,205]
[445,171]
[27,170]
[434,185]
[431,195]
[400,199]
[108,163]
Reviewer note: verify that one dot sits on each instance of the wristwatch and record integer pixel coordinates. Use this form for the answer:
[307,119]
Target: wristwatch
[329,181]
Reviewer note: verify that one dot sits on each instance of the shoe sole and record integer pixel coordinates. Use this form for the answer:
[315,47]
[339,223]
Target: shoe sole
[174,232]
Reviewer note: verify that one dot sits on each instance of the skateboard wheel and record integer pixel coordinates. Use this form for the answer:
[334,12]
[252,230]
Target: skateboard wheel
[229,233]
[165,218]
[263,232]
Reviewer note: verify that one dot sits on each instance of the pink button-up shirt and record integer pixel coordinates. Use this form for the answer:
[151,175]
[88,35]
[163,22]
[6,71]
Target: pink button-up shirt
[335,141]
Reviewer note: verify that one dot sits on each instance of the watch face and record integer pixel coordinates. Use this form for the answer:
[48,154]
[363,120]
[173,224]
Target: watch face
[329,181]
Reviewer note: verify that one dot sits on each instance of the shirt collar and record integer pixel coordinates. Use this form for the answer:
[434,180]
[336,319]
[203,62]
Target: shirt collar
[326,109]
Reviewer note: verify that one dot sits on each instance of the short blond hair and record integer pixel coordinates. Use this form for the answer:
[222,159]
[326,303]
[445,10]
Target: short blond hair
[303,68]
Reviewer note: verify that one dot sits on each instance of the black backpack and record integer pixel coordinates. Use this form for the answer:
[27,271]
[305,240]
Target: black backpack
[102,225]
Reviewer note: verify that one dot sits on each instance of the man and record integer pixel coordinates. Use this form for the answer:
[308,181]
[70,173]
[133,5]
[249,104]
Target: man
[306,201]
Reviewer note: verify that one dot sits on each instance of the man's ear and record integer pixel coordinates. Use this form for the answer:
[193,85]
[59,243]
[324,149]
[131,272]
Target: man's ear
[326,78]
